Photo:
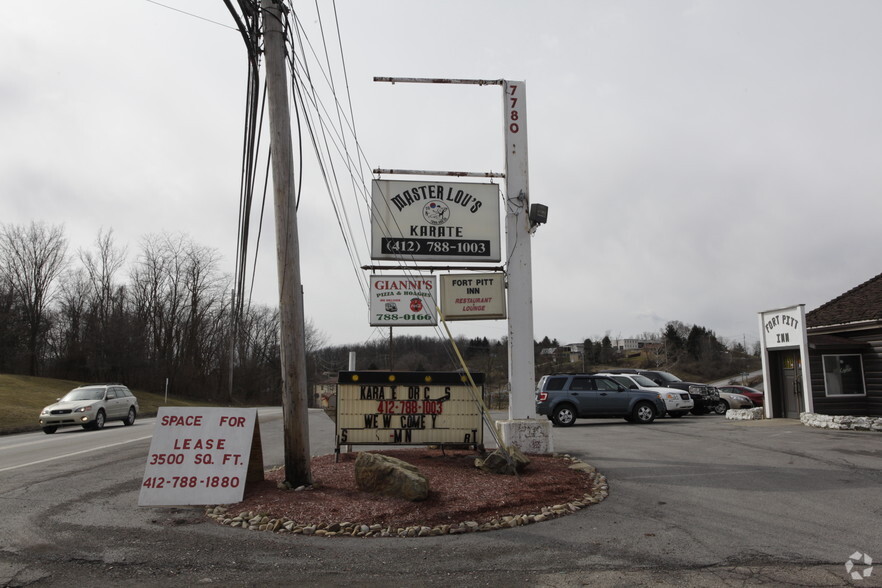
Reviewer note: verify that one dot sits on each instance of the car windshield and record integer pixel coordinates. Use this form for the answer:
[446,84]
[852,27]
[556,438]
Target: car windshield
[643,381]
[668,377]
[84,394]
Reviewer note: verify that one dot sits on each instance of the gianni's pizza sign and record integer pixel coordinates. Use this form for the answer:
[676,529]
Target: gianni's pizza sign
[403,300]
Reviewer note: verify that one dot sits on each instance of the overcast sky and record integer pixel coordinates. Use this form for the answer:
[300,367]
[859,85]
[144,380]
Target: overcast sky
[702,161]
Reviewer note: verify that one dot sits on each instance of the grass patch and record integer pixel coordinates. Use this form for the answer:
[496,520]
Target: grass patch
[22,398]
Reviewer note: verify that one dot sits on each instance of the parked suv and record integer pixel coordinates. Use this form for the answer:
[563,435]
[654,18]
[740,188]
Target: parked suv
[705,397]
[677,402]
[90,407]
[565,397]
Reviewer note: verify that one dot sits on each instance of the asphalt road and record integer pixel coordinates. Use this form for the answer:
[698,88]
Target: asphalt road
[697,501]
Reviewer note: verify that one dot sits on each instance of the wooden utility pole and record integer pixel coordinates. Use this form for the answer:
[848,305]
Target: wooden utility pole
[293,349]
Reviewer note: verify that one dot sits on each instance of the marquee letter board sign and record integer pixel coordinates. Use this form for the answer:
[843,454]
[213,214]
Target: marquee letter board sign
[408,408]
[434,221]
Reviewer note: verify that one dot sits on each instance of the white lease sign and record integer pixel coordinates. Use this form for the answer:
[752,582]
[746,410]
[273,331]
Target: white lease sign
[435,221]
[198,456]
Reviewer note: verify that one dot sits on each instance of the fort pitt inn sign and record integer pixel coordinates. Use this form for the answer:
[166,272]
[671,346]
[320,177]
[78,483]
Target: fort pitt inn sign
[427,220]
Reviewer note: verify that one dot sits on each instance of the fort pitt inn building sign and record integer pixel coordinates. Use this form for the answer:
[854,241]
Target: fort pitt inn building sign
[828,360]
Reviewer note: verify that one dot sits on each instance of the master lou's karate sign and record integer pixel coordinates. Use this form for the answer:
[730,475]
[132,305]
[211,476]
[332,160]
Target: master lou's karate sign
[403,300]
[473,296]
[437,221]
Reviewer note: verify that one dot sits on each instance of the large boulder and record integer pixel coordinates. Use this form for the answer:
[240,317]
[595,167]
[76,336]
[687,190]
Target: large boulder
[509,461]
[388,476]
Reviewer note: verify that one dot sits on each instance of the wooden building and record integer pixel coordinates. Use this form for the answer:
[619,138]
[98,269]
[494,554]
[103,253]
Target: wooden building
[845,352]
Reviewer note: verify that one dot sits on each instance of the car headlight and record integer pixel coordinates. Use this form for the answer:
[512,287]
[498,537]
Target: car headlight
[44,411]
[83,409]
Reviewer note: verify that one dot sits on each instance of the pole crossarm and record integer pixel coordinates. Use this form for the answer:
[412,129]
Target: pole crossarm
[427,172]
[434,268]
[394,80]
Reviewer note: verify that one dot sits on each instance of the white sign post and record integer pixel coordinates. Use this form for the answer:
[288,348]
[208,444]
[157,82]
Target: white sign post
[435,221]
[201,456]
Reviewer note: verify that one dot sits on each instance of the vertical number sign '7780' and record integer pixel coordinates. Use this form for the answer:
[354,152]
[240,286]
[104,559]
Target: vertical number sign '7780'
[513,115]
[515,105]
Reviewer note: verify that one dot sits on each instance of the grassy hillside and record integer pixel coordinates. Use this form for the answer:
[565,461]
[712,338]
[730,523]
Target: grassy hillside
[22,398]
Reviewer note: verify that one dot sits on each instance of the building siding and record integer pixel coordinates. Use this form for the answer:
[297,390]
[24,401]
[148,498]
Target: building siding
[869,405]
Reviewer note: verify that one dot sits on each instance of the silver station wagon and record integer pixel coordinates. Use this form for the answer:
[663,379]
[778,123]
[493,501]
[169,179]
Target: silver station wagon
[90,407]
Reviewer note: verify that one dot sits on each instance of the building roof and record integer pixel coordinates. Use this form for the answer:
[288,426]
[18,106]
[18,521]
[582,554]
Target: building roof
[834,343]
[862,303]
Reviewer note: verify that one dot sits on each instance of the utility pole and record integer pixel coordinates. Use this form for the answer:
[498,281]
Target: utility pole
[293,350]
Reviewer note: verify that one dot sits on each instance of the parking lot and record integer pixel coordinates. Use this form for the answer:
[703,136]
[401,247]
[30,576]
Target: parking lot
[701,491]
[695,501]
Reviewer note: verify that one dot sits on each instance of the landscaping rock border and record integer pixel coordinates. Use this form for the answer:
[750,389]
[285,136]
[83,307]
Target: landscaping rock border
[745,414]
[844,423]
[265,522]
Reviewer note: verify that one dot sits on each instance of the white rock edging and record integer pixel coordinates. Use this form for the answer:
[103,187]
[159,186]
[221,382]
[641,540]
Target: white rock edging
[745,414]
[842,422]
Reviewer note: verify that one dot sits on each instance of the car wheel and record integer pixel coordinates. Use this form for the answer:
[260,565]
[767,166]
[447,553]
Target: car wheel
[644,413]
[130,419]
[564,415]
[49,430]
[98,423]
[721,407]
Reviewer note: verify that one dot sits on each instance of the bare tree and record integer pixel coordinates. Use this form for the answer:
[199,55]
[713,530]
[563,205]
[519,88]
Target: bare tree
[102,266]
[106,339]
[177,292]
[31,259]
[68,333]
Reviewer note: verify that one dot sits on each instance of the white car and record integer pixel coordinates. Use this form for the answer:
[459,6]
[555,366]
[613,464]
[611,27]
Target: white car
[678,402]
[90,407]
[730,400]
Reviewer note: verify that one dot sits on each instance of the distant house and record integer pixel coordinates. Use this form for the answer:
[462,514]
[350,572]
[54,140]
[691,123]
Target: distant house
[575,351]
[324,393]
[845,352]
[628,344]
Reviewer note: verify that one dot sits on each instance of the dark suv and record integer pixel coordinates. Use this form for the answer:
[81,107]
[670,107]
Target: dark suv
[565,397]
[705,397]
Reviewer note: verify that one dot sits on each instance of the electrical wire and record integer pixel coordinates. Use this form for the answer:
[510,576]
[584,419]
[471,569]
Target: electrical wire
[330,136]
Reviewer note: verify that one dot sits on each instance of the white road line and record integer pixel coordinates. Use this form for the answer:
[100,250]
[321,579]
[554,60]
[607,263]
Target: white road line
[24,465]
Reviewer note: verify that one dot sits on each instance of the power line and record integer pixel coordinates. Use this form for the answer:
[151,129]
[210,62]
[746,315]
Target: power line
[220,24]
